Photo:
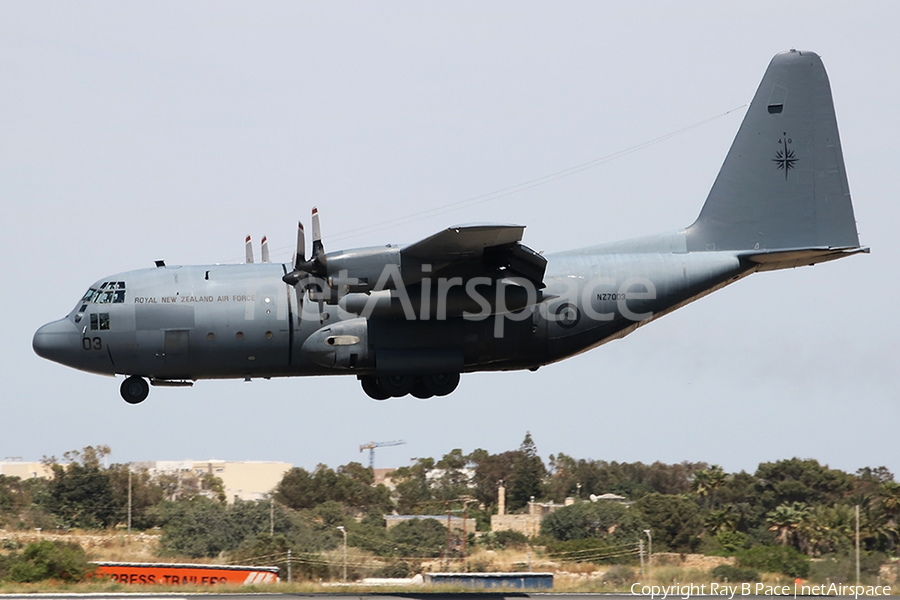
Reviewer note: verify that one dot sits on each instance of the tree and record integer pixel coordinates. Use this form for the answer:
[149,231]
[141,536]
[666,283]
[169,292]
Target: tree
[145,494]
[674,521]
[527,477]
[452,482]
[195,527]
[803,481]
[490,470]
[604,519]
[422,538]
[350,485]
[786,521]
[81,496]
[414,495]
[826,529]
[722,520]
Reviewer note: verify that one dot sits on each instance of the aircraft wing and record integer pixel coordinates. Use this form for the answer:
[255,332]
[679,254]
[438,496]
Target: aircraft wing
[462,242]
[493,246]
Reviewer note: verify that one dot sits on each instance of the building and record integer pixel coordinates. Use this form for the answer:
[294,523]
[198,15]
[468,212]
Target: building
[456,523]
[528,523]
[16,467]
[247,480]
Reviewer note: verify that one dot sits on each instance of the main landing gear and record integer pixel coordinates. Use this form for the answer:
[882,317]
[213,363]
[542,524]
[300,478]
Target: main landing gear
[134,389]
[382,387]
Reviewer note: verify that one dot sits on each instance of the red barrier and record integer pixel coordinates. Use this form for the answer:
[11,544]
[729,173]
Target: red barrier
[185,574]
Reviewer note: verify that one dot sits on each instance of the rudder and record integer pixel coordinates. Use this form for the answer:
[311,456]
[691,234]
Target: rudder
[783,184]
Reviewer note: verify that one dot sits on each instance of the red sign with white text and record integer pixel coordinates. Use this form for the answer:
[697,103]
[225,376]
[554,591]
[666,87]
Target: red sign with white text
[185,574]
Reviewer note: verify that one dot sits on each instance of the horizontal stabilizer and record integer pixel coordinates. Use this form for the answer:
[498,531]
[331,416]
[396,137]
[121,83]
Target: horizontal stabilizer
[800,257]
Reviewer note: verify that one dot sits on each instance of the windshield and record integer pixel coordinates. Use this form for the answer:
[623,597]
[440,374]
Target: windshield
[110,292]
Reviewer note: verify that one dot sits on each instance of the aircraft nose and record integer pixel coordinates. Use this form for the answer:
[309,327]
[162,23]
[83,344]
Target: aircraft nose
[56,341]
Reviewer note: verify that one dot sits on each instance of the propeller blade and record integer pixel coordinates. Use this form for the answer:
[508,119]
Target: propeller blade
[300,255]
[265,249]
[248,247]
[317,230]
[320,263]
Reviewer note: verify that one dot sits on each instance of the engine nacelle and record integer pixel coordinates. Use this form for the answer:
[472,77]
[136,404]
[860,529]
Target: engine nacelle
[359,270]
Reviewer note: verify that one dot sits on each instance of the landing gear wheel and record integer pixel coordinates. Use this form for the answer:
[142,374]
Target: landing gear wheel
[420,391]
[372,389]
[134,389]
[396,385]
[441,384]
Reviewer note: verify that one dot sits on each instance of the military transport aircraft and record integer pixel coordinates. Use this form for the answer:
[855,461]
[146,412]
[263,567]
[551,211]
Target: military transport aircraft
[411,319]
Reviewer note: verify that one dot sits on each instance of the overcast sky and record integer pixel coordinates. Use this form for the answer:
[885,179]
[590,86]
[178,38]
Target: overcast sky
[134,131]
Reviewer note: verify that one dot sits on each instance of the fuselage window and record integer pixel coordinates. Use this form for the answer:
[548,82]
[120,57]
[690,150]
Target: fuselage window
[80,313]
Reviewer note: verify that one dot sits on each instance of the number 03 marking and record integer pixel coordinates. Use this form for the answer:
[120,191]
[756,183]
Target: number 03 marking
[91,343]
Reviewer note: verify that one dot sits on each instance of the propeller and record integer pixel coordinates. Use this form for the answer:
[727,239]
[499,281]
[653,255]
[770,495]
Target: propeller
[309,274]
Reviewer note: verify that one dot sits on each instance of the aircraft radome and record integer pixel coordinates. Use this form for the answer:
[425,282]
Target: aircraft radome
[411,319]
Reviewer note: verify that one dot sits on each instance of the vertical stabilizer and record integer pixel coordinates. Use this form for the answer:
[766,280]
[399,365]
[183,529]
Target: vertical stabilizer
[783,183]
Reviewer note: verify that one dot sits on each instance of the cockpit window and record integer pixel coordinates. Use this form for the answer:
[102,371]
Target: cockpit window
[100,321]
[110,292]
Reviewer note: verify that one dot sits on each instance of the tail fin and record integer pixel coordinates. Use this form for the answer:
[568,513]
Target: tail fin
[783,184]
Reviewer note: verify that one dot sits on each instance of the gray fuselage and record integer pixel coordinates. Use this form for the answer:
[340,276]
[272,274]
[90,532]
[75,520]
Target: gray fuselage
[240,321]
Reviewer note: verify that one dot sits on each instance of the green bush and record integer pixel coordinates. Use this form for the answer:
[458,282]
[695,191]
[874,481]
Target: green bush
[48,560]
[395,570]
[843,568]
[619,576]
[500,540]
[420,538]
[730,573]
[775,559]
[732,541]
[607,520]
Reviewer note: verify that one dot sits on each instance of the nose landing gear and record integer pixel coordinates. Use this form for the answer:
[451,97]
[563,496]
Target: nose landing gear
[134,389]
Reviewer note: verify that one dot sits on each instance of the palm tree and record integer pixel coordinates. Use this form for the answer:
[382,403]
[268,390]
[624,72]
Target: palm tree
[827,528]
[716,478]
[786,521]
[721,520]
[700,483]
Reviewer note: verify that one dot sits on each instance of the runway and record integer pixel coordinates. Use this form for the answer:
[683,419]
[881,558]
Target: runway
[368,595]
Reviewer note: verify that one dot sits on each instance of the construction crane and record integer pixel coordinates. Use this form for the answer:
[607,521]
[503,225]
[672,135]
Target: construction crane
[371,448]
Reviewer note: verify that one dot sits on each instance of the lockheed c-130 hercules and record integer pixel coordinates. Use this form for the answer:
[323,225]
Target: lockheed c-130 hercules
[411,319]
